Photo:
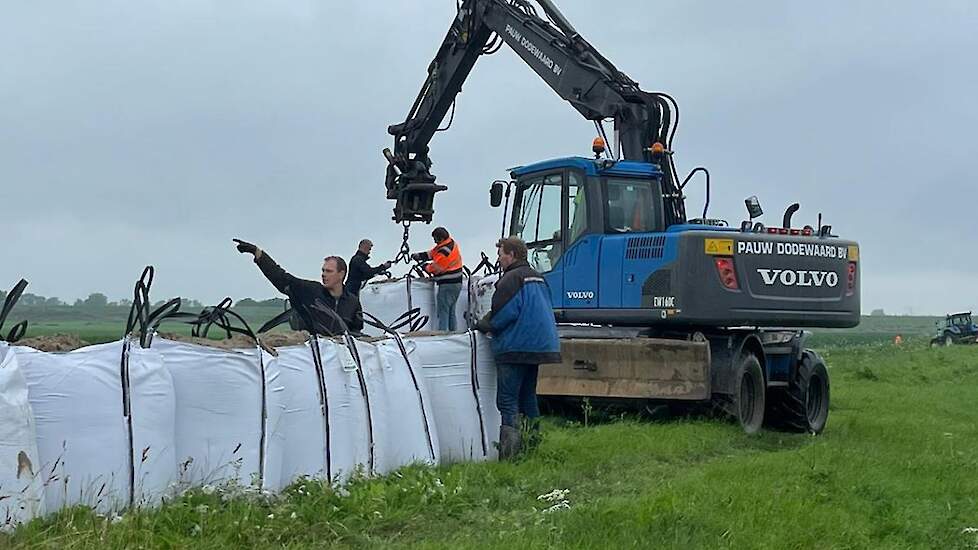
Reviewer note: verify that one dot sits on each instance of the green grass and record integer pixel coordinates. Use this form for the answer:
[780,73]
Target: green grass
[897,467]
[110,323]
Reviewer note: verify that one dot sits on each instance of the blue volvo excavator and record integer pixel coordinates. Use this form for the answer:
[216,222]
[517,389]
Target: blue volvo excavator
[652,305]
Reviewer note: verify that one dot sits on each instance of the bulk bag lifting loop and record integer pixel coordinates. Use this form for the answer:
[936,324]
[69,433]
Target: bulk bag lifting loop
[351,345]
[474,361]
[488,267]
[317,360]
[139,312]
[412,318]
[18,330]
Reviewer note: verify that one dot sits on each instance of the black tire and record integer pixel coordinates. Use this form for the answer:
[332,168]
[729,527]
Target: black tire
[804,406]
[749,395]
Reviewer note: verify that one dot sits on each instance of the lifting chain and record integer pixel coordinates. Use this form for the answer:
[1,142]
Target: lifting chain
[405,253]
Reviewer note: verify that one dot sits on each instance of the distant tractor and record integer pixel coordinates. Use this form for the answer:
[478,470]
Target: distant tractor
[956,328]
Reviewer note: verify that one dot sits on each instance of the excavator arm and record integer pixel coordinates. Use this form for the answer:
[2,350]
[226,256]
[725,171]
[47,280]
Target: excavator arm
[564,60]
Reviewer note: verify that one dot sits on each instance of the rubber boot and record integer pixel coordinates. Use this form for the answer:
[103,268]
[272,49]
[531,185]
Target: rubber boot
[509,442]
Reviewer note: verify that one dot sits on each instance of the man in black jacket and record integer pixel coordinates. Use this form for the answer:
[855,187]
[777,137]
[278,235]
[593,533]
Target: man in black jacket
[360,270]
[316,304]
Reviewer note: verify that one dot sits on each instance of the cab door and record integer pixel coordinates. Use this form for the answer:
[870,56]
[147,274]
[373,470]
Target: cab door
[537,220]
[582,245]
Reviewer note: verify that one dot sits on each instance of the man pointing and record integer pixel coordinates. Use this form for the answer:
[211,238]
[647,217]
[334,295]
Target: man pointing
[312,300]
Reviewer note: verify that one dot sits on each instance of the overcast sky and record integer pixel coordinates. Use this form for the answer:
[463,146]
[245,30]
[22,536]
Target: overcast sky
[136,133]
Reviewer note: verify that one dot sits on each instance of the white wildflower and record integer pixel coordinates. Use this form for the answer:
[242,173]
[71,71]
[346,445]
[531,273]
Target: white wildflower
[271,516]
[293,516]
[557,498]
[438,483]
[202,509]
[195,530]
[555,495]
[208,489]
[562,505]
[117,518]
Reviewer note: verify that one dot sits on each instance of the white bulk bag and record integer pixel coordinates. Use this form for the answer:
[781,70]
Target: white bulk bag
[481,300]
[388,300]
[395,441]
[463,307]
[21,493]
[347,407]
[324,424]
[460,376]
[301,427]
[153,415]
[225,403]
[103,440]
[401,432]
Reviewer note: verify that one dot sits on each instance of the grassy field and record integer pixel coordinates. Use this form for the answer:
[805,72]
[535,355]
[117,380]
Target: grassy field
[895,468]
[109,324]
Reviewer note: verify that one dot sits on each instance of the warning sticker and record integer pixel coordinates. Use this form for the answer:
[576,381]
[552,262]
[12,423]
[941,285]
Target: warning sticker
[719,247]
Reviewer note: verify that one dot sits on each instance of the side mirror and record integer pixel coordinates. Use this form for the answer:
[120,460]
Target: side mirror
[754,207]
[496,194]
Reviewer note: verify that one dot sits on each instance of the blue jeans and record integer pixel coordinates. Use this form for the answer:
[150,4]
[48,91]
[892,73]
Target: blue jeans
[516,392]
[445,305]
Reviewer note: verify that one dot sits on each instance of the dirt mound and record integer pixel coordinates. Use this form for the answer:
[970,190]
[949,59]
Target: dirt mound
[285,338]
[55,342]
[237,341]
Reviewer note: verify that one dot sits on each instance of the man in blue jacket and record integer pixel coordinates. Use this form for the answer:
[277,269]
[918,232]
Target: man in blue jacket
[524,332]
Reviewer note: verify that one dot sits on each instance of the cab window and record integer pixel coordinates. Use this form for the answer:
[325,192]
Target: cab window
[576,208]
[633,206]
[537,222]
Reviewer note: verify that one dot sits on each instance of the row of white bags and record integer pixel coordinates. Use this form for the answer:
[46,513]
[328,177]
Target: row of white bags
[388,299]
[116,425]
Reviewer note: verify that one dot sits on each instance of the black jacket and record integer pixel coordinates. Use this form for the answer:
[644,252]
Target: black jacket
[360,272]
[310,299]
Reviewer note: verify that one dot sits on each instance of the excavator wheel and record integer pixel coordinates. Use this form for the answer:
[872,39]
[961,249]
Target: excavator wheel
[749,395]
[804,405]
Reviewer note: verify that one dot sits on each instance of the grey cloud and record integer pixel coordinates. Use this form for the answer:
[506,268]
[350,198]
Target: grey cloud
[135,133]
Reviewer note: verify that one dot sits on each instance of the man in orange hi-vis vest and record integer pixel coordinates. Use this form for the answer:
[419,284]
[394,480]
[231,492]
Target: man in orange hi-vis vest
[445,266]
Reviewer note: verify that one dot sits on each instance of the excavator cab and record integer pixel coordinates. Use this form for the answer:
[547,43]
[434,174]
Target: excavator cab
[565,209]
[599,231]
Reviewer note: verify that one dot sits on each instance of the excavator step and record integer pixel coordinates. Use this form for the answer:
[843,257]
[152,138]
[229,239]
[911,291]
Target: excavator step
[642,368]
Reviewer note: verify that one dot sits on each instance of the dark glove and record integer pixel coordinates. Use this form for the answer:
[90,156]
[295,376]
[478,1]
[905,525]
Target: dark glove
[388,264]
[246,247]
[419,256]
